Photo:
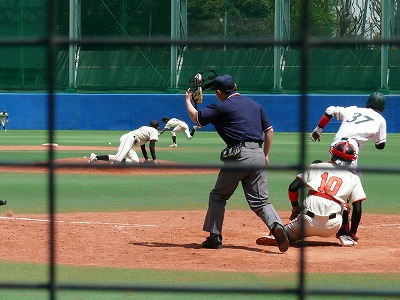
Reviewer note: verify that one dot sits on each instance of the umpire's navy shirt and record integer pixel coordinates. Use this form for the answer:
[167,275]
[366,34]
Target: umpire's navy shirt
[237,118]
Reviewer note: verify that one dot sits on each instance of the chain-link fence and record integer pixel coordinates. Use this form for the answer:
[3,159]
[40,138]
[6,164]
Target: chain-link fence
[147,63]
[127,46]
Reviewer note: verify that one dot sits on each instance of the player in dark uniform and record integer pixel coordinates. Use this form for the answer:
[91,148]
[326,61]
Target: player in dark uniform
[240,122]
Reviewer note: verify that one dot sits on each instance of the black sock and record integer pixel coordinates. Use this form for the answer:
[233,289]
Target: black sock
[345,223]
[192,132]
[103,157]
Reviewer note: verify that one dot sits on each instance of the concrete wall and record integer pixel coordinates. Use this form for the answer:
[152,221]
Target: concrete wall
[129,111]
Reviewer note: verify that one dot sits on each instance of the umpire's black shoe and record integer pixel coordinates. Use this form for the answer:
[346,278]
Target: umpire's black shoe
[281,237]
[213,242]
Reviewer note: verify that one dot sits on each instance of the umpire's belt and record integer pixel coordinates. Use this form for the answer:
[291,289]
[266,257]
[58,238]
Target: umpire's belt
[252,144]
[312,215]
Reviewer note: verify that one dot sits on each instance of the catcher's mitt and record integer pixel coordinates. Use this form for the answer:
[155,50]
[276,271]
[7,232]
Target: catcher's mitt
[196,82]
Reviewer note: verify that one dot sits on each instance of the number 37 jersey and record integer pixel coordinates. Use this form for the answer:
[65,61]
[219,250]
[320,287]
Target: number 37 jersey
[359,123]
[334,181]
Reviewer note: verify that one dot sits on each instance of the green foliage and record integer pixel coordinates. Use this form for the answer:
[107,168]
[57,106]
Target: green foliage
[321,18]
[118,18]
[205,9]
[152,18]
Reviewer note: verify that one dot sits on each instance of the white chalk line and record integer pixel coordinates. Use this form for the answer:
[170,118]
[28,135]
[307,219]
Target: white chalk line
[381,225]
[78,222]
[141,225]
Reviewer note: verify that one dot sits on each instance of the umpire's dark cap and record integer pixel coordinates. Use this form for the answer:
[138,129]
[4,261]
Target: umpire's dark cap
[224,83]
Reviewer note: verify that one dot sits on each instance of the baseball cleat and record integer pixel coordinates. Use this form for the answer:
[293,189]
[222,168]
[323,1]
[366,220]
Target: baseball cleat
[347,241]
[281,237]
[212,242]
[196,127]
[267,240]
[173,145]
[92,158]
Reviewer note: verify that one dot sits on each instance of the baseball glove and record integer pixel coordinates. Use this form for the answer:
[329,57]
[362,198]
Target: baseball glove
[316,134]
[197,95]
[196,82]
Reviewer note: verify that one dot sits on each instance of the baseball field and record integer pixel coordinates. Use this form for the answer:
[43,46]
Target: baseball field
[135,232]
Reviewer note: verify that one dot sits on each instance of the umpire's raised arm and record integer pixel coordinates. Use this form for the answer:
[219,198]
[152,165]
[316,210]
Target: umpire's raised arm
[190,108]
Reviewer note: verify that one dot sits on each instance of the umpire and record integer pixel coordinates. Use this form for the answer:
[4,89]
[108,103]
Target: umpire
[244,126]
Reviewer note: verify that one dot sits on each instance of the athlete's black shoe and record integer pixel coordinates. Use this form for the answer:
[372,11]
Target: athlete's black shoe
[281,237]
[213,242]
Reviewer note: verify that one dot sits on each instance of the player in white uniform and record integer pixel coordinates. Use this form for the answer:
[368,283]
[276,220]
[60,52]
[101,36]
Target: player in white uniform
[330,185]
[359,124]
[177,126]
[138,137]
[4,119]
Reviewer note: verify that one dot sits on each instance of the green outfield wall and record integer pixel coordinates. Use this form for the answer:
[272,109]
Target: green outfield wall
[148,70]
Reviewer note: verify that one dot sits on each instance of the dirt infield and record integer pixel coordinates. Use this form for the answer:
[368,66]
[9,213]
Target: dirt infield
[171,239]
[79,165]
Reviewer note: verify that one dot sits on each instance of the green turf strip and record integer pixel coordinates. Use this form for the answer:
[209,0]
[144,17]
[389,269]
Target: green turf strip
[38,273]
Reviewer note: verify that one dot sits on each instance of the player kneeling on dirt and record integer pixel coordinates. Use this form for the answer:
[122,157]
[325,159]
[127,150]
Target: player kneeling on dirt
[330,185]
[138,137]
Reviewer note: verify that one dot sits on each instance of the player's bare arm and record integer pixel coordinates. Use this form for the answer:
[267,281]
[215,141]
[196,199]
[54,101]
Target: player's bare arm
[144,152]
[268,135]
[152,148]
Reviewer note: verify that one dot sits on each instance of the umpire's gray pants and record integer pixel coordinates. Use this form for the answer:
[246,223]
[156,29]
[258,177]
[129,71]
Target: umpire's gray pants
[255,186]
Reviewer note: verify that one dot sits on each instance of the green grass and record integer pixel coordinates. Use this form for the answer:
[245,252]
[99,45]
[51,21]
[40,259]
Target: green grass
[37,274]
[75,192]
[27,193]
[203,149]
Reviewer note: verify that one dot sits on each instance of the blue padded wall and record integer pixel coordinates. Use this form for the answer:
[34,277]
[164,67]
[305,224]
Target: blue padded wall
[129,111]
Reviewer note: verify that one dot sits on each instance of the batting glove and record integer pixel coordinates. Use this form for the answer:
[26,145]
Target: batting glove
[295,213]
[316,134]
